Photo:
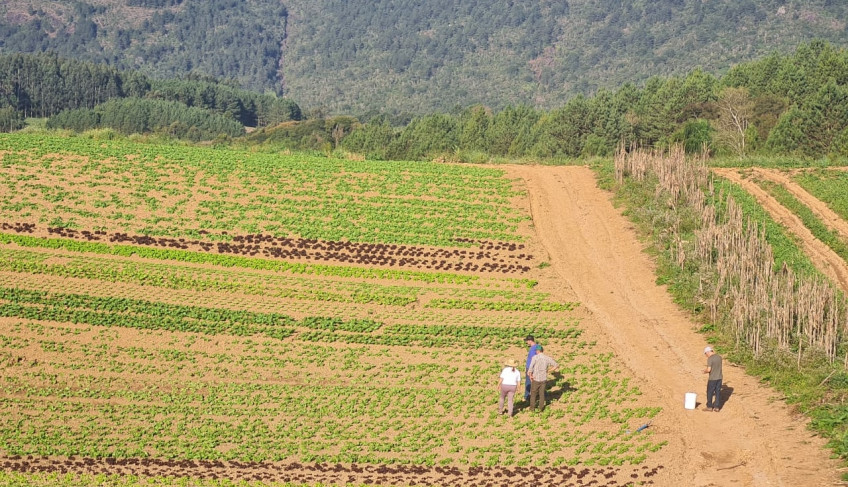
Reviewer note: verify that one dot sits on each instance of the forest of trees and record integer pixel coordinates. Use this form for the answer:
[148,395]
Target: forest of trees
[407,58]
[142,115]
[418,57]
[46,85]
[227,39]
[781,104]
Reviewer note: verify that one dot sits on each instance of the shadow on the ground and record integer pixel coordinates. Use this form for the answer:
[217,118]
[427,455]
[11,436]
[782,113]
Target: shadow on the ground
[725,393]
[552,394]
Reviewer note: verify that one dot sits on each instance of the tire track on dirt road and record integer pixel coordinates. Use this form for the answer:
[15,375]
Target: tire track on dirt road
[754,440]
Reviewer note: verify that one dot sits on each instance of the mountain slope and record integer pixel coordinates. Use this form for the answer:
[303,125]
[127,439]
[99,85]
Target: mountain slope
[410,56]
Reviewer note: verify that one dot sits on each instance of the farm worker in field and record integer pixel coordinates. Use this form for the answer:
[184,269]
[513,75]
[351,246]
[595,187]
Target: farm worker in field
[508,384]
[531,342]
[538,372]
[713,380]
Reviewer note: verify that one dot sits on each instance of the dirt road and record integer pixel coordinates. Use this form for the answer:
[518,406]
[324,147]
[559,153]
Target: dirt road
[754,440]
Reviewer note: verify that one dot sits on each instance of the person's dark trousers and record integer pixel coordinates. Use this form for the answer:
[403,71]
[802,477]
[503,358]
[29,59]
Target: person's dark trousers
[713,394]
[526,387]
[537,394]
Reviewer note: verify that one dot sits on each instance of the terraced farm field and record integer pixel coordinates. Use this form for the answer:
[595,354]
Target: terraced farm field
[812,205]
[828,185]
[185,316]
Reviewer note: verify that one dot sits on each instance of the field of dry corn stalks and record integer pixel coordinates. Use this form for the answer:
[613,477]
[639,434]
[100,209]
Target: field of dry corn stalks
[740,286]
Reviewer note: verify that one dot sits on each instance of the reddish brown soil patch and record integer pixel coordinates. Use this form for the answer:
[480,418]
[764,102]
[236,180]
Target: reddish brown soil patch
[485,256]
[337,473]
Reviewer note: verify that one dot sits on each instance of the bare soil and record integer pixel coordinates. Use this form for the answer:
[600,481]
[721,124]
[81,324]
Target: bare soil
[756,439]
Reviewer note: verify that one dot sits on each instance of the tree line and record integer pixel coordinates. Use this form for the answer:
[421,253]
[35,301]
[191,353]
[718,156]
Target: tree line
[784,104]
[142,115]
[45,85]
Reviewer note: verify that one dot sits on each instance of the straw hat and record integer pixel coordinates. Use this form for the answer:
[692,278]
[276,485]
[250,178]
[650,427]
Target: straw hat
[511,363]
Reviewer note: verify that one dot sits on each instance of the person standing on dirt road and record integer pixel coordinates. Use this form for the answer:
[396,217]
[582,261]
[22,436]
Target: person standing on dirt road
[538,372]
[508,385]
[531,342]
[713,380]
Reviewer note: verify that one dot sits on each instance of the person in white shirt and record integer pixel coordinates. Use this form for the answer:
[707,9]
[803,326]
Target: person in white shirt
[508,384]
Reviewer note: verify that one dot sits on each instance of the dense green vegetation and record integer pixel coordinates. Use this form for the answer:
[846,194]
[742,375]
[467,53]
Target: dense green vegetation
[46,85]
[497,53]
[781,105]
[138,116]
[234,40]
[403,56]
[828,186]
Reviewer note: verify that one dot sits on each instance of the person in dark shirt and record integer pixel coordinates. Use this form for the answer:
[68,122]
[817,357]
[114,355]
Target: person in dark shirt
[713,380]
[531,343]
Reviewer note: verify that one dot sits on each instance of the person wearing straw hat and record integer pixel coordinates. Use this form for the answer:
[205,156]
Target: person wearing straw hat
[713,380]
[508,384]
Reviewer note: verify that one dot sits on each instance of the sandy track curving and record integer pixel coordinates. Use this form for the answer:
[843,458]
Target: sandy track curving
[818,207]
[754,440]
[823,257]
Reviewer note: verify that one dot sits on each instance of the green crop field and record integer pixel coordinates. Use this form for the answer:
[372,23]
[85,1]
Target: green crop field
[179,192]
[828,185]
[191,316]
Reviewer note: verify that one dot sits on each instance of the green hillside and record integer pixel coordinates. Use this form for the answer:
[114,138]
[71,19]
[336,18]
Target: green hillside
[402,56]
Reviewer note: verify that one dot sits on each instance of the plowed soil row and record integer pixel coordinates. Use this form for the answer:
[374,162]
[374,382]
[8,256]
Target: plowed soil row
[823,257]
[485,256]
[401,475]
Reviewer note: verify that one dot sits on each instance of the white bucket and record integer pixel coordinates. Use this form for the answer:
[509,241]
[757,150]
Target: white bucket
[689,402]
